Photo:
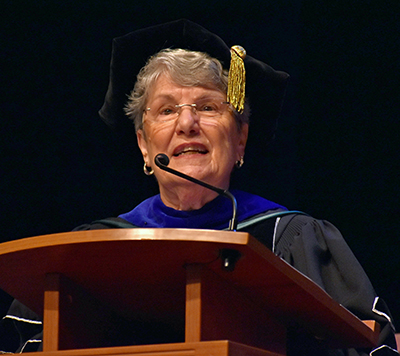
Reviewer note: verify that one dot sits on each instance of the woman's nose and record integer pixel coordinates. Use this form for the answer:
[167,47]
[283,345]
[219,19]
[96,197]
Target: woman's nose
[188,120]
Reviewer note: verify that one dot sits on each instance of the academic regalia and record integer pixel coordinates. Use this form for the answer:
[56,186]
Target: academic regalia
[314,247]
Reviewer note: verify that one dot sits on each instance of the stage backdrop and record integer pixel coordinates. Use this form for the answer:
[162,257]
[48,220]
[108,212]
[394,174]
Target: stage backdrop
[336,151]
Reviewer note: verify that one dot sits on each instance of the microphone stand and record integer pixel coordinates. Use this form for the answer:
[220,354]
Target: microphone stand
[162,162]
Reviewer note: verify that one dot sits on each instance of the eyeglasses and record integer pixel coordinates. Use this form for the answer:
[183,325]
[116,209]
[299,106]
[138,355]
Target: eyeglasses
[206,108]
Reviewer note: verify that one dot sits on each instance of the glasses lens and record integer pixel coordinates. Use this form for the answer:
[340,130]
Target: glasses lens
[205,107]
[211,107]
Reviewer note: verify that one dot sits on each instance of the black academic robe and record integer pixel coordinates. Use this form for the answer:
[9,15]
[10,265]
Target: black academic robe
[314,247]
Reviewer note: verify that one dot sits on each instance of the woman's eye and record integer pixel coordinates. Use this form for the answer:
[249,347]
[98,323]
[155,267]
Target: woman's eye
[208,107]
[167,111]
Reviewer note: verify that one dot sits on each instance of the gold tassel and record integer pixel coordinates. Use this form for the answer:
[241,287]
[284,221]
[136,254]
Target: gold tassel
[237,79]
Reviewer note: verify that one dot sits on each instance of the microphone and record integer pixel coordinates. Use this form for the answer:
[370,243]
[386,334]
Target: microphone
[162,162]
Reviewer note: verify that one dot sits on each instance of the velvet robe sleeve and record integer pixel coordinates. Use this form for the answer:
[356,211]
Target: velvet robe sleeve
[317,249]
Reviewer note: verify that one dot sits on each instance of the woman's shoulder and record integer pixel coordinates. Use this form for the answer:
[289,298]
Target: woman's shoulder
[107,223]
[281,230]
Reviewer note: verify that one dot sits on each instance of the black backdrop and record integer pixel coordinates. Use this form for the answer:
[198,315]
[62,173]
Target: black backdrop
[336,151]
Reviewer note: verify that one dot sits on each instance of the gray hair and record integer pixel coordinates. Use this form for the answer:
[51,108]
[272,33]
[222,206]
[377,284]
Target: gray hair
[187,68]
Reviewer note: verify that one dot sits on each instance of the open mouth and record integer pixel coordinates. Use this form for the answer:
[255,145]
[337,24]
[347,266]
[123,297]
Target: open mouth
[190,150]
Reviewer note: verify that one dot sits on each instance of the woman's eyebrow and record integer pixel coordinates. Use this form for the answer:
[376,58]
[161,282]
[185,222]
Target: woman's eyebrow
[163,96]
[207,95]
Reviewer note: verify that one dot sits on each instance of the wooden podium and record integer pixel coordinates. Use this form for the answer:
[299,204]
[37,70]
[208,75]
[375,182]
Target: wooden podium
[219,292]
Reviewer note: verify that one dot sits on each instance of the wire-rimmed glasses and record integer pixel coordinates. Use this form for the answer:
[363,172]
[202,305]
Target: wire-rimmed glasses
[205,108]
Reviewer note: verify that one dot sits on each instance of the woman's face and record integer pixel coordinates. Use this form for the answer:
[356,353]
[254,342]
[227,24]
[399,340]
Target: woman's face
[202,148]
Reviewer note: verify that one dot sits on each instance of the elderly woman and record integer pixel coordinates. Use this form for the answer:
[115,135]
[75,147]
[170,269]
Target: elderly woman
[180,108]
[189,98]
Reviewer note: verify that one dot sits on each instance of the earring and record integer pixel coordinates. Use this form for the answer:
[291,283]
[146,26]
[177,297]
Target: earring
[240,163]
[147,171]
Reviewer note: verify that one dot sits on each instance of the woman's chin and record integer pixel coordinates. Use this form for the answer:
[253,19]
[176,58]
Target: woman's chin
[198,166]
[196,171]
[201,172]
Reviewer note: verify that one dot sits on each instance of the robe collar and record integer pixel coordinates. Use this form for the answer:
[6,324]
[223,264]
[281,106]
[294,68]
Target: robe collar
[153,213]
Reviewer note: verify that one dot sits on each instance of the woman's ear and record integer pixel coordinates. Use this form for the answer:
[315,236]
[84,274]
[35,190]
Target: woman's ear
[141,140]
[244,133]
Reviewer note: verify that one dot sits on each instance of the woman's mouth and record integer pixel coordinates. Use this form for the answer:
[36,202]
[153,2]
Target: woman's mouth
[190,150]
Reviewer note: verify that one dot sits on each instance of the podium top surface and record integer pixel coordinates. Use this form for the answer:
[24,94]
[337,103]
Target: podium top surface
[141,273]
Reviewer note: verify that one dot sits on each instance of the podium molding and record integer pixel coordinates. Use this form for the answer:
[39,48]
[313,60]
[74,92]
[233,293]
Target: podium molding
[175,276]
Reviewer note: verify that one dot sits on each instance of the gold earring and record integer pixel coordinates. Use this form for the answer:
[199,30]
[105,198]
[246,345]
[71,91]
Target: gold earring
[146,170]
[240,163]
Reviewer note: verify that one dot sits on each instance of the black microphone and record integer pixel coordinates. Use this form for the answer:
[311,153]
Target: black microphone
[162,162]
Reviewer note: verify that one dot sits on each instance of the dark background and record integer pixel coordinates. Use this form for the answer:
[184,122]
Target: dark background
[335,155]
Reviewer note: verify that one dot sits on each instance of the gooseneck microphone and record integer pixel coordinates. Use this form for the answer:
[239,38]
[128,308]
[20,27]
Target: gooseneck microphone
[162,162]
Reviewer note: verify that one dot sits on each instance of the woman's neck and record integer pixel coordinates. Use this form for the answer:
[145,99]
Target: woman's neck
[187,197]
